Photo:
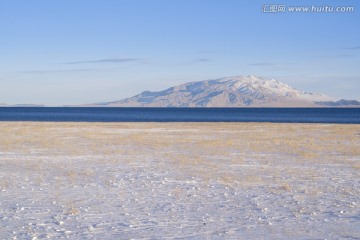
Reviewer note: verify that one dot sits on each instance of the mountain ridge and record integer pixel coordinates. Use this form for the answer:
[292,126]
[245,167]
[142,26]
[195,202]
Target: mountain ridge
[237,91]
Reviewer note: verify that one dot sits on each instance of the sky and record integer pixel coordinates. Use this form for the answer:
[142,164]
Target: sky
[66,52]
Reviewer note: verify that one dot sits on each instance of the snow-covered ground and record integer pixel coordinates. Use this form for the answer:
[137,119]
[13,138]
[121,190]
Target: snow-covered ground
[179,180]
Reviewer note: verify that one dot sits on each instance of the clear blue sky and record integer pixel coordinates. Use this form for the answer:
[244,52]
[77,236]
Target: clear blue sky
[71,52]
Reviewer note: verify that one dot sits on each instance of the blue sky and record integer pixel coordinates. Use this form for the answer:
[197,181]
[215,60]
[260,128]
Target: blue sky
[72,52]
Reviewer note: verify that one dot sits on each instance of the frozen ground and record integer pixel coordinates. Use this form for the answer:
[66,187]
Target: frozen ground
[179,180]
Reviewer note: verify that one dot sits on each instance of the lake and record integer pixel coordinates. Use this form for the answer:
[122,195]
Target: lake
[76,114]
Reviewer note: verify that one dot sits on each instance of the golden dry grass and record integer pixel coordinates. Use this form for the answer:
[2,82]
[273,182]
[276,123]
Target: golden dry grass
[210,151]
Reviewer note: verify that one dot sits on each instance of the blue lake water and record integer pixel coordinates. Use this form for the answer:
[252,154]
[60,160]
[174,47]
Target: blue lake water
[74,114]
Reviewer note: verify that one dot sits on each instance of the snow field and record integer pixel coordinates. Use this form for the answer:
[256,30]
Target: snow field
[179,180]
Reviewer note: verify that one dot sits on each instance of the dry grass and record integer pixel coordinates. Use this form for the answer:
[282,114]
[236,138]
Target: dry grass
[212,151]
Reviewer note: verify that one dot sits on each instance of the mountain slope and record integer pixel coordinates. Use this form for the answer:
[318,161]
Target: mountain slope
[239,91]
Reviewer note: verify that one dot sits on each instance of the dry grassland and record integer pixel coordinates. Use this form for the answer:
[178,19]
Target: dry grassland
[299,165]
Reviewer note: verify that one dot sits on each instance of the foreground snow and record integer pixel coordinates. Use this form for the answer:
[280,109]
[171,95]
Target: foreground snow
[179,180]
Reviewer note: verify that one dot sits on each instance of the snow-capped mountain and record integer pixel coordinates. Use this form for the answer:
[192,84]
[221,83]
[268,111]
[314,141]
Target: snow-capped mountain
[239,91]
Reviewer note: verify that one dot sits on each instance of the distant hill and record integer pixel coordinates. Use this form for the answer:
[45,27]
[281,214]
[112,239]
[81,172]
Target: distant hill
[239,91]
[341,102]
[21,105]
